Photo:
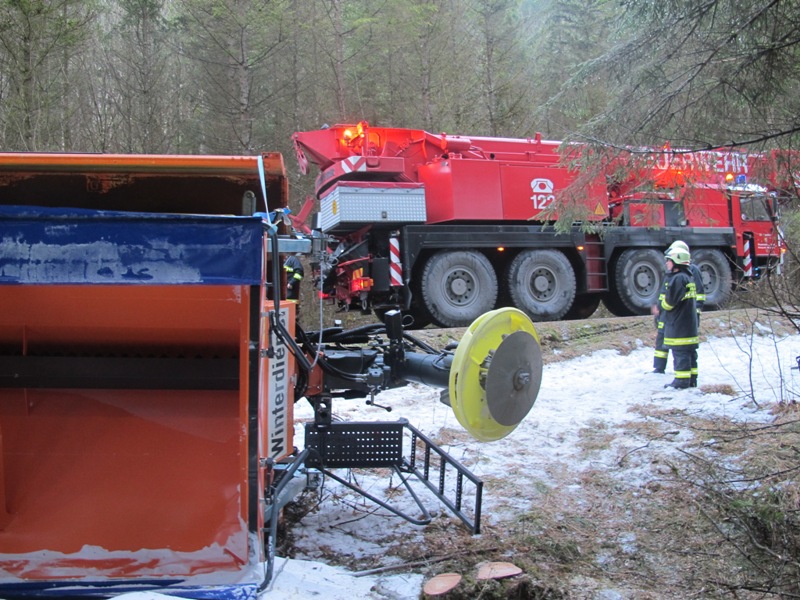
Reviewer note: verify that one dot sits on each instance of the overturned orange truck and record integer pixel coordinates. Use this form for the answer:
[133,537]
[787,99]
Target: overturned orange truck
[149,364]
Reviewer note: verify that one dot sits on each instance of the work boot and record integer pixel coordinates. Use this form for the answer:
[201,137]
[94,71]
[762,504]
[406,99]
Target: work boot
[693,381]
[679,384]
[659,371]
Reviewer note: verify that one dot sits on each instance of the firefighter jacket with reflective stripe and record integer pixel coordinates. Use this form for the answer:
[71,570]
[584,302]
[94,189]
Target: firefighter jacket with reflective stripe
[680,318]
[700,290]
[294,268]
[700,296]
[661,312]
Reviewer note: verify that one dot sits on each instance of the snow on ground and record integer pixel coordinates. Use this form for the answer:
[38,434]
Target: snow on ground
[603,391]
[600,391]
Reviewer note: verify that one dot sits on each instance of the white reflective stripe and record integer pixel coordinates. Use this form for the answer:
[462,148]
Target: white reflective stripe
[748,260]
[354,163]
[395,266]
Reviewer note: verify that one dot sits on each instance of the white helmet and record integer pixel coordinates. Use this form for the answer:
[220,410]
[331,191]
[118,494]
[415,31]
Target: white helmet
[678,256]
[679,245]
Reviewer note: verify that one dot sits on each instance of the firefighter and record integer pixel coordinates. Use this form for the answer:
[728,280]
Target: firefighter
[680,319]
[662,352]
[700,300]
[294,275]
[700,297]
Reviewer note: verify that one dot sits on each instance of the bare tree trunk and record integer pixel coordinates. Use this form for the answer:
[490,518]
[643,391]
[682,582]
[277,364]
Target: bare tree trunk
[339,57]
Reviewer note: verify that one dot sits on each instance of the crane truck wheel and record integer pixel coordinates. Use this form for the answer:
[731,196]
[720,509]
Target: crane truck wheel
[457,287]
[717,277]
[637,280]
[542,284]
[615,305]
[584,307]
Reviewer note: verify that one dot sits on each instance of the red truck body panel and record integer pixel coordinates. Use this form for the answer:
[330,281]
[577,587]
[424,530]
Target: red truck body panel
[466,178]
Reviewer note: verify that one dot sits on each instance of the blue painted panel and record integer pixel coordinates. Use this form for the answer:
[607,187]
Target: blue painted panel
[111,589]
[76,246]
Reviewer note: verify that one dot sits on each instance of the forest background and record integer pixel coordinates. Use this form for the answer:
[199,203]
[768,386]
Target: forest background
[239,76]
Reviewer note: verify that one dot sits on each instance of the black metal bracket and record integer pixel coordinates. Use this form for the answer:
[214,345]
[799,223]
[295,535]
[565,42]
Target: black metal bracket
[426,517]
[120,372]
[408,452]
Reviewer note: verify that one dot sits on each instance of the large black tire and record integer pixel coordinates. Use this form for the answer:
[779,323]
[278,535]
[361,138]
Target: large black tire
[717,277]
[458,287]
[615,306]
[638,276]
[542,284]
[584,307]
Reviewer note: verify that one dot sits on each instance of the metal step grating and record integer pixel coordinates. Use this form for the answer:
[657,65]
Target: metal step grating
[405,449]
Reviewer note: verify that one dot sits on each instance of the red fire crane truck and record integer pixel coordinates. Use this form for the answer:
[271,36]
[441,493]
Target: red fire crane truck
[149,364]
[446,227]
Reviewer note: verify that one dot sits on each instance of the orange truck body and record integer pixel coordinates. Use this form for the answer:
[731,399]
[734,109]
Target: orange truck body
[137,405]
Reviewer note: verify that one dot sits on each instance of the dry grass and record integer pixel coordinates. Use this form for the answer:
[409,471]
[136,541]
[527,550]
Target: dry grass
[719,388]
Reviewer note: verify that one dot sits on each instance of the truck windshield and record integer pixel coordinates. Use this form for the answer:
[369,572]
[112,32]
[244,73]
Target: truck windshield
[755,207]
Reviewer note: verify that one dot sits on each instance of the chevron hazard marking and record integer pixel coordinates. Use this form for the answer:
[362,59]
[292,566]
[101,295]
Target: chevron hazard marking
[353,164]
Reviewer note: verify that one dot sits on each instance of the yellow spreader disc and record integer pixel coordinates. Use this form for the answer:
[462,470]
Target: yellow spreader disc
[496,373]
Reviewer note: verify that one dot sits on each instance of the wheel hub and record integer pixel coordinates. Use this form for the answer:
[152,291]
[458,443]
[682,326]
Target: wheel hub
[459,284]
[644,279]
[706,276]
[542,284]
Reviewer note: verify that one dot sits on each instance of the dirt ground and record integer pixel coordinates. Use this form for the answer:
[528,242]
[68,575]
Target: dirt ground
[563,340]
